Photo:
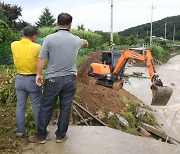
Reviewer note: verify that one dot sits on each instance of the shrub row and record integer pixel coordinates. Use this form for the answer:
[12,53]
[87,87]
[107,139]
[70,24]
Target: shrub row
[94,39]
[159,53]
[99,40]
[6,37]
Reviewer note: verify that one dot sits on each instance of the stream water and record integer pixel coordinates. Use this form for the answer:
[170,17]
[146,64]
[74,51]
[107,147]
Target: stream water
[169,73]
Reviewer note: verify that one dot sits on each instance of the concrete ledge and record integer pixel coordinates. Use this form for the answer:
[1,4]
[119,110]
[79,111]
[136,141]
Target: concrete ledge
[100,140]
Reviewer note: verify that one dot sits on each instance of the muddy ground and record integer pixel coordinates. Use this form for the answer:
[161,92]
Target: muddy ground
[96,97]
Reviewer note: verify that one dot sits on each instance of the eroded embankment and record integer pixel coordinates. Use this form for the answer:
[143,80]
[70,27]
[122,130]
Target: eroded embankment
[95,97]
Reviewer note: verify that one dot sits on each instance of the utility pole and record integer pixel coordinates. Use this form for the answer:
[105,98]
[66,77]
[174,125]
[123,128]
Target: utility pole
[147,33]
[165,29]
[137,35]
[151,23]
[111,39]
[174,33]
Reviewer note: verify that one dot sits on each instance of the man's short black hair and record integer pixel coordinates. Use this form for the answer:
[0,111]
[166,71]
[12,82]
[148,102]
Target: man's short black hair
[30,31]
[64,19]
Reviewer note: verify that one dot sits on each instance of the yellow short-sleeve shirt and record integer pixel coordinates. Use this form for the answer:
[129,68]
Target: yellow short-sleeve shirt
[25,55]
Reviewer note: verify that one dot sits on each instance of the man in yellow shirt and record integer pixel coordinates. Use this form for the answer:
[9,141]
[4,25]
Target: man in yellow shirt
[25,54]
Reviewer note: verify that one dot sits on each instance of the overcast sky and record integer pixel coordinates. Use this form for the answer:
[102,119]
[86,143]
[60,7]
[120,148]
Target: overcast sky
[95,14]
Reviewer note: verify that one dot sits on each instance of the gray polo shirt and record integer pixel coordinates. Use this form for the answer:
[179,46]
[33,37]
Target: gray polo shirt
[61,50]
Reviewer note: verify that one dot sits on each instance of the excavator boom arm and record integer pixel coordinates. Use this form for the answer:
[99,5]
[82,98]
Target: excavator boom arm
[134,55]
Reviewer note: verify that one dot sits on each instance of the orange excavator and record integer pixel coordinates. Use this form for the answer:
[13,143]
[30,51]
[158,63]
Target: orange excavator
[112,66]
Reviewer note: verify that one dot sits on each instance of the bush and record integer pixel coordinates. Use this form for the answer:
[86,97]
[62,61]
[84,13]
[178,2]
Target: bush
[6,37]
[130,118]
[95,40]
[159,53]
[40,40]
[7,91]
[44,31]
[8,96]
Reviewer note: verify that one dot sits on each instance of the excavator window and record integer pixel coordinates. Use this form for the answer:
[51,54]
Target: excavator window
[111,58]
[106,58]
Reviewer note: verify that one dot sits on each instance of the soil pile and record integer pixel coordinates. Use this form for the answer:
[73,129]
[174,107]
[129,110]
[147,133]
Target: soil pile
[96,97]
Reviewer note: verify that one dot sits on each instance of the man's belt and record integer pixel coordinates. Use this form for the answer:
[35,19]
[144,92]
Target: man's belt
[27,74]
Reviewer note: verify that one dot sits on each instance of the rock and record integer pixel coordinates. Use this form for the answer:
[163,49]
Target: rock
[171,141]
[143,132]
[100,114]
[137,74]
[151,129]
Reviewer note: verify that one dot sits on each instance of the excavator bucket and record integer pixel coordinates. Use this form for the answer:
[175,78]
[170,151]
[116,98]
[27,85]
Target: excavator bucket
[161,95]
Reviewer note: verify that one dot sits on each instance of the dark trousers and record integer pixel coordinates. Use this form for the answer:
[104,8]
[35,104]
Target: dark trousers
[65,88]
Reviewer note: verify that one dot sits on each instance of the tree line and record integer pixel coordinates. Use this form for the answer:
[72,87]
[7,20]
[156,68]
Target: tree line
[142,31]
[11,26]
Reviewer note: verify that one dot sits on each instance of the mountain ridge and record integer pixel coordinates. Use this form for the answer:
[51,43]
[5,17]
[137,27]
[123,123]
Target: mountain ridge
[143,30]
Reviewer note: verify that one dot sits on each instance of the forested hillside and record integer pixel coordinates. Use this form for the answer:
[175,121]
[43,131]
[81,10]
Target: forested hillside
[142,31]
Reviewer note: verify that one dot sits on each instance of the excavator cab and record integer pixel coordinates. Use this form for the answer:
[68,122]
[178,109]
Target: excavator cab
[110,58]
[111,69]
[103,72]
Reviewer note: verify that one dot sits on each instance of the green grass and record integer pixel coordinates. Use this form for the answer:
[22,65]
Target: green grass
[7,110]
[149,118]
[30,122]
[1,69]
[130,118]
[131,130]
[131,109]
[80,59]
[113,122]
[131,106]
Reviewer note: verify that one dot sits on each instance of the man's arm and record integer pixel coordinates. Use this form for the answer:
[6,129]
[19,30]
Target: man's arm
[40,66]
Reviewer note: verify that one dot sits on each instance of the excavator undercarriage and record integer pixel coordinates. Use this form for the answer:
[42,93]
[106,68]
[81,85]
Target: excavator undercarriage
[112,67]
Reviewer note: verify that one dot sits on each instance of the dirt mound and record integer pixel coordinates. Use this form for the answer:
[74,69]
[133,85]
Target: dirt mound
[95,97]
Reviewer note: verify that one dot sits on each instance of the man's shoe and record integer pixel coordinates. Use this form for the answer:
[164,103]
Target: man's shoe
[60,140]
[20,134]
[34,139]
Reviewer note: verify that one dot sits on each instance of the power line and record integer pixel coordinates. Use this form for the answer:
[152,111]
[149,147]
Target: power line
[122,13]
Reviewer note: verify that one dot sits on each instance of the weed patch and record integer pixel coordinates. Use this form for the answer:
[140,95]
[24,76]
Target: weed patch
[8,141]
[130,112]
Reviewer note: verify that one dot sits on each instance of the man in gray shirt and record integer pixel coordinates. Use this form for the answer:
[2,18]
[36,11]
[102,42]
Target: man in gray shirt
[61,50]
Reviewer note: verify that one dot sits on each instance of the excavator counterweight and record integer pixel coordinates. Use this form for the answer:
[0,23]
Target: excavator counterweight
[112,70]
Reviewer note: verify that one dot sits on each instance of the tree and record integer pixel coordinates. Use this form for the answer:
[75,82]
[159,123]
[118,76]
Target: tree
[21,24]
[12,13]
[2,16]
[46,19]
[81,27]
[105,36]
[7,35]
[147,39]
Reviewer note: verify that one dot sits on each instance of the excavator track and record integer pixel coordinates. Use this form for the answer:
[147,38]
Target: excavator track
[105,83]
